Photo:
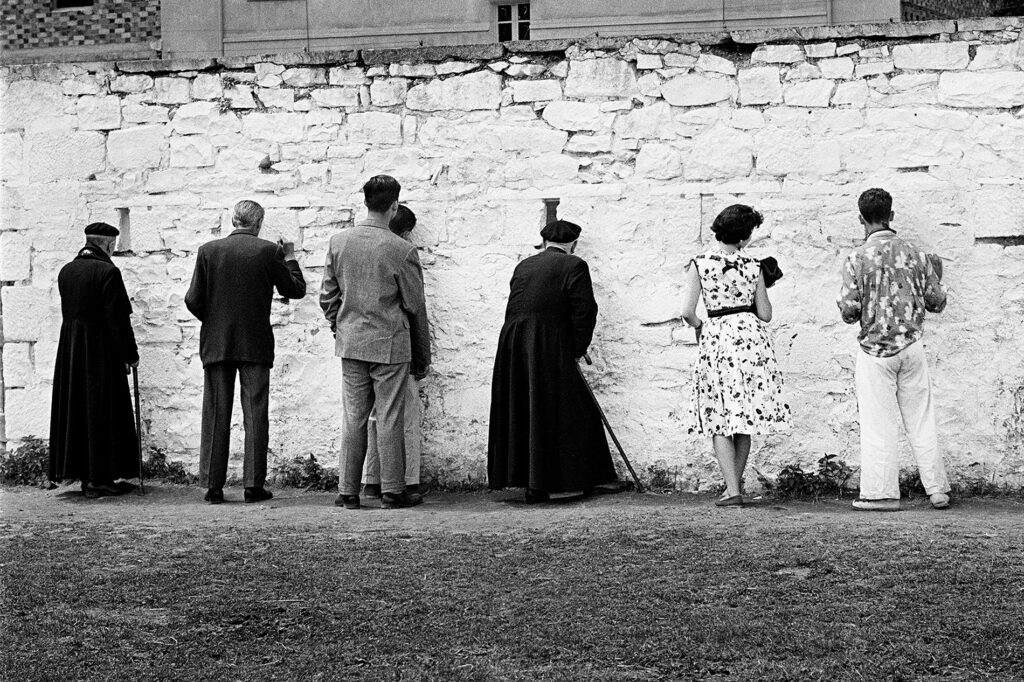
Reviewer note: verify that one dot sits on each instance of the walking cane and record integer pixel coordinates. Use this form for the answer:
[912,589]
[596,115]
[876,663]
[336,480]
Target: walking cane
[639,486]
[138,426]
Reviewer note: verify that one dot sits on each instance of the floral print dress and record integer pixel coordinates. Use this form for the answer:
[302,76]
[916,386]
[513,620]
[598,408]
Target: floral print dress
[737,386]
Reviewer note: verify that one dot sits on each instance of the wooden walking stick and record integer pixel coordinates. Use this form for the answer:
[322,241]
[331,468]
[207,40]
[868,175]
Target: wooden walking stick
[639,485]
[138,426]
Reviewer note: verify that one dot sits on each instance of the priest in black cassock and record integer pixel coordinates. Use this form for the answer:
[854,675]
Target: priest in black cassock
[92,428]
[545,430]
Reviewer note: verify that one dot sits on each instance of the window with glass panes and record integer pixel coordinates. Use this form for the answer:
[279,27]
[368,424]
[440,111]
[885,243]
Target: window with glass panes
[514,21]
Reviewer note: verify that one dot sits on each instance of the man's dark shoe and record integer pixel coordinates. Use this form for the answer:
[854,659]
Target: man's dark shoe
[347,501]
[536,496]
[214,496]
[413,488]
[371,489]
[94,490]
[257,494]
[124,487]
[607,488]
[400,500]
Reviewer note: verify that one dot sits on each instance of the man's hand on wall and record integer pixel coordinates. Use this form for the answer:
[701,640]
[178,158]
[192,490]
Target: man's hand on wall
[936,262]
[287,249]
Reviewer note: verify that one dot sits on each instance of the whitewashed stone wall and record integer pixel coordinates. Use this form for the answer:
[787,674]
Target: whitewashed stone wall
[643,141]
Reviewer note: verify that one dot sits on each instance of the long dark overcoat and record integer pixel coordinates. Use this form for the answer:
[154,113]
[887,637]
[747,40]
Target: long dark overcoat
[92,428]
[545,430]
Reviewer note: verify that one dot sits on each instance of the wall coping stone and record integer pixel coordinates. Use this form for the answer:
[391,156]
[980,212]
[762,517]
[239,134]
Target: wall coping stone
[493,51]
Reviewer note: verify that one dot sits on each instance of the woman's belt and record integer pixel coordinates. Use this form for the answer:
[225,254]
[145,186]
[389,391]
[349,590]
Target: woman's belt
[722,312]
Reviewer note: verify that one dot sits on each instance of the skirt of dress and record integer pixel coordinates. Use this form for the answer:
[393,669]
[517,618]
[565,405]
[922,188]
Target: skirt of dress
[737,386]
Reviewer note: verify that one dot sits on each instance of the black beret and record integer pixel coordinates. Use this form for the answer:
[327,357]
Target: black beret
[101,230]
[561,232]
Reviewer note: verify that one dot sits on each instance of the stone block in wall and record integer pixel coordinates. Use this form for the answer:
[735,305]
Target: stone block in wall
[26,311]
[335,97]
[658,161]
[132,85]
[994,211]
[649,85]
[137,147]
[25,101]
[530,139]
[525,70]
[820,50]
[868,69]
[170,91]
[589,144]
[268,74]
[207,86]
[932,56]
[388,91]
[675,60]
[720,152]
[854,93]
[240,96]
[99,113]
[779,153]
[304,77]
[650,122]
[398,162]
[566,115]
[645,62]
[84,84]
[351,76]
[15,256]
[469,92]
[279,128]
[375,127]
[992,57]
[449,68]
[11,149]
[760,85]
[276,98]
[813,93]
[715,64]
[804,71]
[906,82]
[58,155]
[982,89]
[692,90]
[27,413]
[839,67]
[192,151]
[536,91]
[605,77]
[412,70]
[134,111]
[204,118]
[777,54]
[19,370]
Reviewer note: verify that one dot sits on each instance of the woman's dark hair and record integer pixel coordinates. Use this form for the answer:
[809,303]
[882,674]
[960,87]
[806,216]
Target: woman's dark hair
[736,223]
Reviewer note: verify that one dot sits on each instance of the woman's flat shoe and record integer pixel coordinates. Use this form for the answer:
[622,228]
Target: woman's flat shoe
[734,501]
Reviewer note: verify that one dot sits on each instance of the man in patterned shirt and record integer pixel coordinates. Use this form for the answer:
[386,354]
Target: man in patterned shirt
[888,285]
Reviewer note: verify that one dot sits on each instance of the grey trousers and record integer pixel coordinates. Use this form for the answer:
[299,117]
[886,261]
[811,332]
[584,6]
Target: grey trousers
[215,439]
[413,439]
[379,387]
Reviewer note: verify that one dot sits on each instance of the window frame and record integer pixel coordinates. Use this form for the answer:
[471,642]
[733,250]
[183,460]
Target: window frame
[84,6]
[515,22]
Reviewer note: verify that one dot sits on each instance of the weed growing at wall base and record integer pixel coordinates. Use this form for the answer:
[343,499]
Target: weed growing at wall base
[829,480]
[28,464]
[160,468]
[306,473]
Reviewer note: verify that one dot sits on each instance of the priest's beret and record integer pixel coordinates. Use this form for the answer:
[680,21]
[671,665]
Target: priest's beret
[101,230]
[561,232]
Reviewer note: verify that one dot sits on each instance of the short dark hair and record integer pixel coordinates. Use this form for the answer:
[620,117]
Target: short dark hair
[403,221]
[380,192]
[247,215]
[875,206]
[736,223]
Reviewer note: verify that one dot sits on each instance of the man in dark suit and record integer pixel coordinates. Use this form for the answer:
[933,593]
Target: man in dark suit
[92,429]
[545,430]
[231,292]
[372,296]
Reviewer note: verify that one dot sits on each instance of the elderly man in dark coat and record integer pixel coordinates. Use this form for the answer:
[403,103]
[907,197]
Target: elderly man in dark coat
[545,429]
[231,293]
[92,429]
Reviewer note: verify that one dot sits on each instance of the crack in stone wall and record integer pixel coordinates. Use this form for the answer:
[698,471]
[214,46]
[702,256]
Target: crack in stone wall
[642,141]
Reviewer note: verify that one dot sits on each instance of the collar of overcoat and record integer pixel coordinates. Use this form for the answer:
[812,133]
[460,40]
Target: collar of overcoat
[96,253]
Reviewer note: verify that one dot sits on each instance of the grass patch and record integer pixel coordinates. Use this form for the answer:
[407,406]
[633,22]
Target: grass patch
[614,593]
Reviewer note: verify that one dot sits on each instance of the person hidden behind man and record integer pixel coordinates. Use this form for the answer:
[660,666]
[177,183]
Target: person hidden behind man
[372,297]
[231,293]
[545,431]
[737,385]
[888,286]
[92,428]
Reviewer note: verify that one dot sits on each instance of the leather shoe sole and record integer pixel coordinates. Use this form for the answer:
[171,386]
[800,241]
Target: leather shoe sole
[257,495]
[400,501]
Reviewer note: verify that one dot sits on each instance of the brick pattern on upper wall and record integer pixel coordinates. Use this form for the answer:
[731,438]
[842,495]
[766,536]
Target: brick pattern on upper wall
[925,10]
[33,24]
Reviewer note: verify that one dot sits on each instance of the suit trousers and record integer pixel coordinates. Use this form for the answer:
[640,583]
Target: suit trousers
[889,391]
[218,396]
[380,388]
[413,440]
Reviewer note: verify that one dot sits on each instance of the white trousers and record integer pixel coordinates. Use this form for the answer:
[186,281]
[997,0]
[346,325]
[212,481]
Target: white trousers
[413,439]
[891,390]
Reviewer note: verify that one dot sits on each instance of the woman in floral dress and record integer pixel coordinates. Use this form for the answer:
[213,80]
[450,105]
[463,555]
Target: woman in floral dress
[737,386]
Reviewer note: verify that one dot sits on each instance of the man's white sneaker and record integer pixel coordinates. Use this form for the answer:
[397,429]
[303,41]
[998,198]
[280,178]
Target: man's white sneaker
[939,500]
[887,505]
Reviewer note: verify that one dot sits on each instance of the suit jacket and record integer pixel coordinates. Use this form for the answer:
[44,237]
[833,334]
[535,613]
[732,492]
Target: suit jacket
[372,295]
[231,292]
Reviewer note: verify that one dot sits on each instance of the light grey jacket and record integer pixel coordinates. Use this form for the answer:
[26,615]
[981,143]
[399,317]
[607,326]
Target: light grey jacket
[372,294]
